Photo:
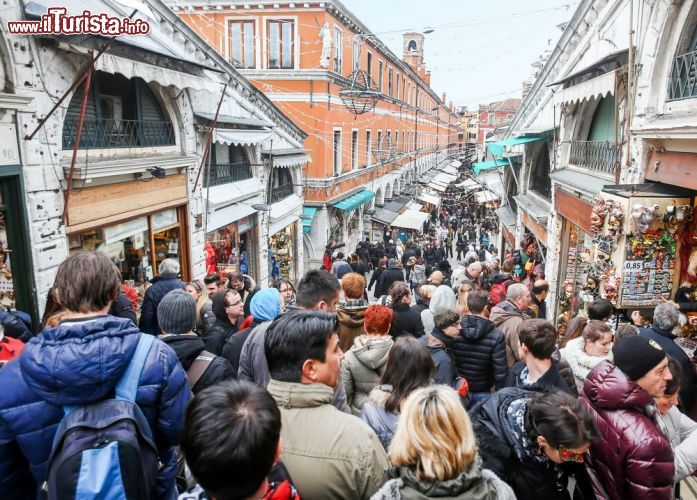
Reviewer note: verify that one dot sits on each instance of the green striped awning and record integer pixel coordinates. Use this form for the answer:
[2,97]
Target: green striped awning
[308,215]
[488,165]
[496,148]
[355,200]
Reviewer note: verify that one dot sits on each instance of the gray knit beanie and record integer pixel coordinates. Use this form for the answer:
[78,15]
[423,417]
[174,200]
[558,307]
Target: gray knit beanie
[176,312]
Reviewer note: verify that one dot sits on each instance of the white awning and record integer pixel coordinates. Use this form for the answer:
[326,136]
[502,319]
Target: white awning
[290,161]
[596,87]
[485,197]
[412,205]
[469,185]
[444,178]
[241,137]
[410,219]
[450,171]
[165,77]
[493,183]
[285,212]
[429,198]
[456,164]
[437,187]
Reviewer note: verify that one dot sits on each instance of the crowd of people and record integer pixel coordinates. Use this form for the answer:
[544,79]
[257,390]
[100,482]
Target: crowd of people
[448,383]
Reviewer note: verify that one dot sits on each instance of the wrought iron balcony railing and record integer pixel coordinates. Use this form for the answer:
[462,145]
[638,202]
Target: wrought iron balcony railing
[281,192]
[231,172]
[110,133]
[683,77]
[599,156]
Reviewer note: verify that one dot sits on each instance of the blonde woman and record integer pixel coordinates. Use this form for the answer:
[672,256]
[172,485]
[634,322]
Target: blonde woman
[204,307]
[461,299]
[431,460]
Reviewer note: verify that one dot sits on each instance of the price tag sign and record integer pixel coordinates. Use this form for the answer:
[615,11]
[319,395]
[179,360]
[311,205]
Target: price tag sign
[633,265]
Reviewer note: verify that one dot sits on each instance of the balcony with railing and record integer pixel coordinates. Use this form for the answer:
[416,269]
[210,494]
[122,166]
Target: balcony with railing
[100,133]
[593,155]
[227,173]
[683,77]
[281,192]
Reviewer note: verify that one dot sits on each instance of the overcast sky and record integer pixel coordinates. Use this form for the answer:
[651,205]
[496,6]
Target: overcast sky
[481,50]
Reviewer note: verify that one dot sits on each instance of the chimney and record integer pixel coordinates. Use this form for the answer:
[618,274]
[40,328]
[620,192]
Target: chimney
[445,101]
[427,78]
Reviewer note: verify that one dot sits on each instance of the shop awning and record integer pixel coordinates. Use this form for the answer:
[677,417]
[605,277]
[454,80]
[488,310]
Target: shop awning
[469,185]
[496,148]
[538,210]
[355,200]
[397,205]
[411,219]
[429,198]
[588,184]
[599,87]
[456,164]
[485,197]
[288,158]
[412,205]
[241,137]
[507,216]
[285,212]
[240,121]
[384,216]
[437,187]
[488,165]
[492,181]
[450,170]
[308,216]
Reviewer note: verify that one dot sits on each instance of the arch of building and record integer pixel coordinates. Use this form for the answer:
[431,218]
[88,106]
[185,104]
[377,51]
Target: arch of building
[388,191]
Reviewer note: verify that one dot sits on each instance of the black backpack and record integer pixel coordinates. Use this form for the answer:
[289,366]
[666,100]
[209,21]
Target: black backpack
[105,449]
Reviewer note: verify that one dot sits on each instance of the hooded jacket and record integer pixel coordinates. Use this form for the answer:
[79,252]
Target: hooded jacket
[552,379]
[351,325]
[633,459]
[161,286]
[480,354]
[443,297]
[509,452]
[474,484]
[73,364]
[581,363]
[187,348]
[442,358]
[265,306]
[362,367]
[328,453]
[507,318]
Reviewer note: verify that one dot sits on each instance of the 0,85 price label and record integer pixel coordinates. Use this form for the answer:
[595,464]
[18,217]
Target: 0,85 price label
[633,265]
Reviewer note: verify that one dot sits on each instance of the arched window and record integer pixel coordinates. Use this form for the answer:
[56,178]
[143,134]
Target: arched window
[602,127]
[412,46]
[119,113]
[683,75]
[229,163]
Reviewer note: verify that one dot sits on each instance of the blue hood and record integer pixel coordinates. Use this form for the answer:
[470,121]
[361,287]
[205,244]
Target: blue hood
[266,304]
[67,365]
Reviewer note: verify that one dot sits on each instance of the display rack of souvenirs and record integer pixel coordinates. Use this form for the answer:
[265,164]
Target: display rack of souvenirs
[280,254]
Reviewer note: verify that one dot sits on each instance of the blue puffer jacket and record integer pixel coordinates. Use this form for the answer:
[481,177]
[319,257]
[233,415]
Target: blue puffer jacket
[71,365]
[161,286]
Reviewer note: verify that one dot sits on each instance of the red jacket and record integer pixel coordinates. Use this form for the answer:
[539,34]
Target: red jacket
[10,348]
[633,459]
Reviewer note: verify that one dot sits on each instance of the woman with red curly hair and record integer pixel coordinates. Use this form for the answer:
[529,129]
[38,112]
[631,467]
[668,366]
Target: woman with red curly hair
[365,361]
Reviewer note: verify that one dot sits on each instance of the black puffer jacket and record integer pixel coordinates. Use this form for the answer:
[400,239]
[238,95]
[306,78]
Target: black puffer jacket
[480,354]
[161,286]
[187,348]
[388,276]
[405,321]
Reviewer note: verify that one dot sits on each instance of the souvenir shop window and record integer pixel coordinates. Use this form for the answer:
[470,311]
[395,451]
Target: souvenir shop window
[577,255]
[136,246]
[222,251]
[282,254]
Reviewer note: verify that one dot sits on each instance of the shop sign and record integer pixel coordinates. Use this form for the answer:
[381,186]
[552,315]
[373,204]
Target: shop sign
[124,230]
[573,209]
[534,227]
[244,224]
[9,150]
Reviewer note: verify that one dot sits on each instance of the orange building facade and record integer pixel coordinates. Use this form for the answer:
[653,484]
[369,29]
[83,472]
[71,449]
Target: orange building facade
[301,55]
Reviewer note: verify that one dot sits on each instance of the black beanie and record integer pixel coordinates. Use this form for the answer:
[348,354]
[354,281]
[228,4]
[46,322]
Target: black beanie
[636,356]
[176,312]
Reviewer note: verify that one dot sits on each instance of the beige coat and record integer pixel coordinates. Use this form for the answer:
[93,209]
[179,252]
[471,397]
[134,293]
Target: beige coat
[509,320]
[328,453]
[361,368]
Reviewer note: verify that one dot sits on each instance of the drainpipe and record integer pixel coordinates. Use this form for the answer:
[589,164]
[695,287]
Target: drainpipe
[630,88]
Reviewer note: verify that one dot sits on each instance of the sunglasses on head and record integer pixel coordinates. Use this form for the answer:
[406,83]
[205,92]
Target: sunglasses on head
[568,455]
